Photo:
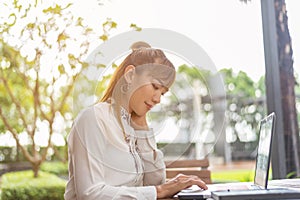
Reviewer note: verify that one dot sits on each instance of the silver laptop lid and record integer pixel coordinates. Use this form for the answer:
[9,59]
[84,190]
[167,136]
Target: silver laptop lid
[266,131]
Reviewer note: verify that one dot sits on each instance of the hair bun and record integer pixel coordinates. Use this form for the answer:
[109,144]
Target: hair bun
[139,44]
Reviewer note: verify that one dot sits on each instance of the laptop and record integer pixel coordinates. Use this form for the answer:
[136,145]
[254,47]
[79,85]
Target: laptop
[240,190]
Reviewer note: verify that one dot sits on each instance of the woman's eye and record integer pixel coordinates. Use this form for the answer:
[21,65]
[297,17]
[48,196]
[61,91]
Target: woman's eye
[155,86]
[158,87]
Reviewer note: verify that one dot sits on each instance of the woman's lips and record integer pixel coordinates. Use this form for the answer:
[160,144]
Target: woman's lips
[149,106]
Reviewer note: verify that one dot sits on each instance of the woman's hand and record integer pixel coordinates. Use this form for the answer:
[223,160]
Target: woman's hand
[139,122]
[175,185]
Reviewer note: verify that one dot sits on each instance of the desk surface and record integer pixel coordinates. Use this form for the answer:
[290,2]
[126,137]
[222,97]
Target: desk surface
[282,183]
[289,183]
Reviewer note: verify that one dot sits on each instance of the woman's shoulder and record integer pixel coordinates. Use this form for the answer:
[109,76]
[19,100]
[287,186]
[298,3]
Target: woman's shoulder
[102,106]
[90,123]
[99,110]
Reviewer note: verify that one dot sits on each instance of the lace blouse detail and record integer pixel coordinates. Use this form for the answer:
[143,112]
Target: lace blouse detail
[125,115]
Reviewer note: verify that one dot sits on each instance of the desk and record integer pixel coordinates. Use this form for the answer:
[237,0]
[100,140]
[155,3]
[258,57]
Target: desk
[289,183]
[282,183]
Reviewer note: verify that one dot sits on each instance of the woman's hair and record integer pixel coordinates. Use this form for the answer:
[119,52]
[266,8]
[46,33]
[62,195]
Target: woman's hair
[142,54]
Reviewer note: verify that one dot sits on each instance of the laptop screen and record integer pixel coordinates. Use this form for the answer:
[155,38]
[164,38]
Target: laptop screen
[264,150]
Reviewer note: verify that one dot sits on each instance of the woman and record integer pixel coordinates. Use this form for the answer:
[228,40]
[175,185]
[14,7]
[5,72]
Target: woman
[112,151]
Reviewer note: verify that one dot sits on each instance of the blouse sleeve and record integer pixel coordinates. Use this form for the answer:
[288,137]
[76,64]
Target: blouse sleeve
[155,169]
[86,148]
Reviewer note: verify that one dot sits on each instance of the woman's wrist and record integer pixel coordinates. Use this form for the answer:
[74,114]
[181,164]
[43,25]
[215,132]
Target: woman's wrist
[159,192]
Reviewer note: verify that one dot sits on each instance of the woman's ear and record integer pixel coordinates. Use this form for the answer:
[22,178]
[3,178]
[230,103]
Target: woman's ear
[129,73]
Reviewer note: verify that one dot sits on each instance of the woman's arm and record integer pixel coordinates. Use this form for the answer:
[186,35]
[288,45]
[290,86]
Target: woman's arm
[155,169]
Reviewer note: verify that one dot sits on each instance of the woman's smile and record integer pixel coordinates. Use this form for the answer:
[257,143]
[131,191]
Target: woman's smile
[149,106]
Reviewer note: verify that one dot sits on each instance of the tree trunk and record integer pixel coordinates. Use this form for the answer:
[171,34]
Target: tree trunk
[35,168]
[287,79]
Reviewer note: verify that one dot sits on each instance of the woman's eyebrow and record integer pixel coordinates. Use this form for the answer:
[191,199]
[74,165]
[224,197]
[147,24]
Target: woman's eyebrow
[160,82]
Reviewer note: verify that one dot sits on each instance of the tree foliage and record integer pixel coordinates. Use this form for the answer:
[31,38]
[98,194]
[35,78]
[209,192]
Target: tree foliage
[191,105]
[42,51]
[245,107]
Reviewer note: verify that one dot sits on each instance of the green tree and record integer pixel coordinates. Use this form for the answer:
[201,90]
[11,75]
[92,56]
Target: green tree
[42,52]
[245,107]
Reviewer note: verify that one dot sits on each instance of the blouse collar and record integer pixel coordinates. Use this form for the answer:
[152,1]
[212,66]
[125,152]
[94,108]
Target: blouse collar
[125,115]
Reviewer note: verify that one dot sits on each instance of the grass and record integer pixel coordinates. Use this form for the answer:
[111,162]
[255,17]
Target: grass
[57,168]
[245,175]
[26,178]
[232,176]
[22,185]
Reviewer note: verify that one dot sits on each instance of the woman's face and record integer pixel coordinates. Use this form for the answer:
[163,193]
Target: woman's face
[146,95]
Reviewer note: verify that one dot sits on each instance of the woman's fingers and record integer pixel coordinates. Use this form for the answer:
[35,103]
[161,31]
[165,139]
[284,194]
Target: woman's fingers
[188,181]
[177,184]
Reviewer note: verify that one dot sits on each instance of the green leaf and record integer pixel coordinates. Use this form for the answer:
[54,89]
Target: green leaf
[101,65]
[79,21]
[12,21]
[62,37]
[135,27]
[104,37]
[56,10]
[30,26]
[113,24]
[61,69]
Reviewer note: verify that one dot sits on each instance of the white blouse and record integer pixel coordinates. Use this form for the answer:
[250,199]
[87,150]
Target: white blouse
[104,165]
